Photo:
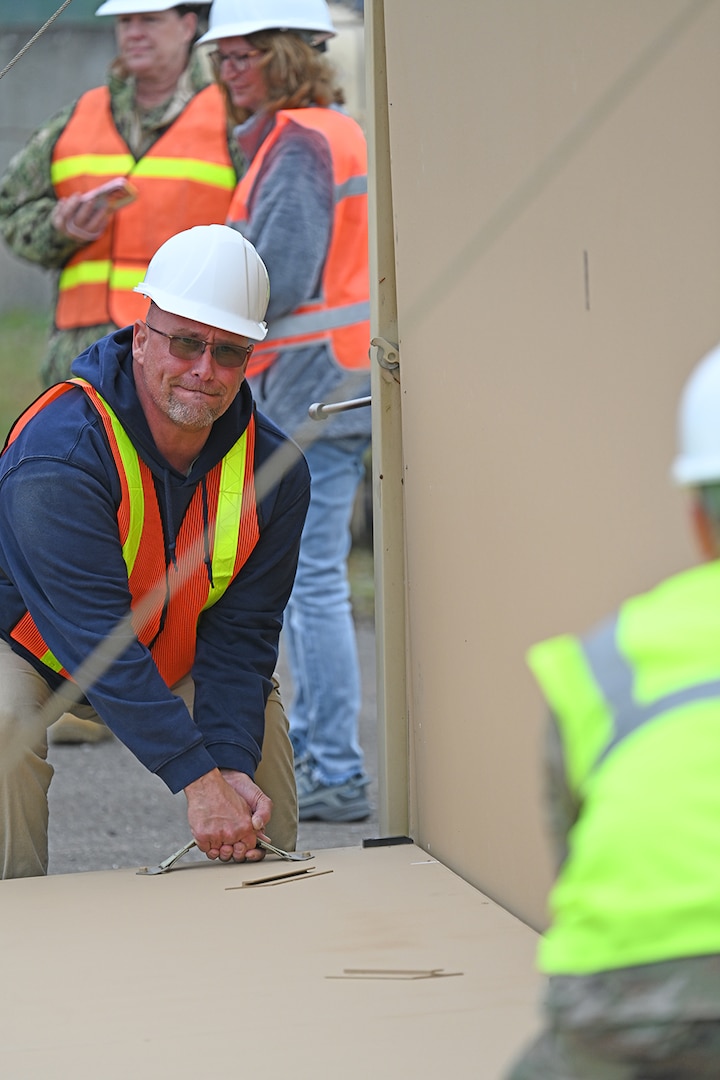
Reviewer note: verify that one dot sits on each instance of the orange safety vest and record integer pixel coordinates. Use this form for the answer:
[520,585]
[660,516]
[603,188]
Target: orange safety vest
[166,606]
[340,316]
[186,178]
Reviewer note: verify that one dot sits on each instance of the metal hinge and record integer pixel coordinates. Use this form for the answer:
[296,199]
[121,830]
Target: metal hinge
[386,354]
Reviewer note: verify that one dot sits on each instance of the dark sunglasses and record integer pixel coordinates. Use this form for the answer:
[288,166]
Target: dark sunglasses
[187,348]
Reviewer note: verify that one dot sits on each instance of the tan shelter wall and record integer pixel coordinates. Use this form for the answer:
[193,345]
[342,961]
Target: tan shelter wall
[555,171]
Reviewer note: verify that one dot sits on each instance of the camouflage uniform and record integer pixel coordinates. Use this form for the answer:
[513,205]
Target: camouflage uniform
[651,1022]
[27,196]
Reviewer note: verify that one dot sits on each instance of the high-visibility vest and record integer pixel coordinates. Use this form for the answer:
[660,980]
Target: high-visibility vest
[340,315]
[186,178]
[637,704]
[167,603]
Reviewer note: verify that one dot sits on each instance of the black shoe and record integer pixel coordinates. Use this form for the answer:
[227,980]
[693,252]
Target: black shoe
[332,802]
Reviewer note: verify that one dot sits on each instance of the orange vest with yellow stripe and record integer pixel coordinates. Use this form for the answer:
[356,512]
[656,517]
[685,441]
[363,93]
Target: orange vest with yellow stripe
[166,606]
[186,178]
[340,316]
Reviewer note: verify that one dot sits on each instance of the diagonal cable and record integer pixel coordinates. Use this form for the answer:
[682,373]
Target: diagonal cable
[35,37]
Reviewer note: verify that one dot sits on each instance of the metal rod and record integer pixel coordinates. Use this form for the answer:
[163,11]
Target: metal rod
[320,411]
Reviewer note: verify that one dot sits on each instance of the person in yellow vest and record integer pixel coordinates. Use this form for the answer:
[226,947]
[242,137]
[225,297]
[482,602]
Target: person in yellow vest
[146,560]
[633,947]
[303,203]
[158,123]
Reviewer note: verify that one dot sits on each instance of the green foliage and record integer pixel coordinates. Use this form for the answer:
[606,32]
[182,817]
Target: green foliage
[22,342]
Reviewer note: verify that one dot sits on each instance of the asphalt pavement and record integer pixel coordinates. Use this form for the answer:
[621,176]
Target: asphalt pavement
[108,812]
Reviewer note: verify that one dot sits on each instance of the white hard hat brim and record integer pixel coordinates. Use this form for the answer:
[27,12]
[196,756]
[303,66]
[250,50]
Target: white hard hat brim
[201,312]
[240,18]
[687,472]
[142,7]
[243,29]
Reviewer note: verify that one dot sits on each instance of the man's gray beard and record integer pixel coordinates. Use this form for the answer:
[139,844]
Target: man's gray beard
[192,417]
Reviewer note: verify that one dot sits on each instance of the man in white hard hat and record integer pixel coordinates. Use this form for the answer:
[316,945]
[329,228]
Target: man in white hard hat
[633,948]
[132,503]
[157,123]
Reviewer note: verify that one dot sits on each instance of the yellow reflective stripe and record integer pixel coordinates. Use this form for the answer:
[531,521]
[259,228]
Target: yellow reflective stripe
[227,524]
[100,272]
[136,495]
[131,465]
[92,272]
[51,661]
[91,165]
[157,168]
[126,277]
[168,168]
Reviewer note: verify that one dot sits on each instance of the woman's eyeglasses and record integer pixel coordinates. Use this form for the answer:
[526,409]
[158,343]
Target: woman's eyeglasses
[240,61]
[187,348]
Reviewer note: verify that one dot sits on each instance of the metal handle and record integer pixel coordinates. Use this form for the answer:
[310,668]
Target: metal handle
[320,411]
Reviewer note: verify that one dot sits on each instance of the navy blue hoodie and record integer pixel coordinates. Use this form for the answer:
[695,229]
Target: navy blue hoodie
[61,559]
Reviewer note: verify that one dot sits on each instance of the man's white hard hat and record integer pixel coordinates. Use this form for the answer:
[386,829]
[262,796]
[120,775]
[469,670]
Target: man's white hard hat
[142,7]
[211,274]
[238,18]
[698,458]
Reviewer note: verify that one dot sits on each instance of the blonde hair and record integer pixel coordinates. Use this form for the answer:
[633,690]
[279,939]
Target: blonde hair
[296,74]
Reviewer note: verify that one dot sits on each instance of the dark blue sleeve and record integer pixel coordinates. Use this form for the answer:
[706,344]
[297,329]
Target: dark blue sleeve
[59,545]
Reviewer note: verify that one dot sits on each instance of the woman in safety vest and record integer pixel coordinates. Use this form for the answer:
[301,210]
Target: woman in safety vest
[303,204]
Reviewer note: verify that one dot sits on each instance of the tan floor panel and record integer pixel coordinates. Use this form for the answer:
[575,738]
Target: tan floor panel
[116,975]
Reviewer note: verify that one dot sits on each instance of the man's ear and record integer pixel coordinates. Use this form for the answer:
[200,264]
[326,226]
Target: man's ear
[140,337]
[705,535]
[247,358]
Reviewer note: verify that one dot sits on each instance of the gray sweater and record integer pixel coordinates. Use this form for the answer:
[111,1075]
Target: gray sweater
[290,219]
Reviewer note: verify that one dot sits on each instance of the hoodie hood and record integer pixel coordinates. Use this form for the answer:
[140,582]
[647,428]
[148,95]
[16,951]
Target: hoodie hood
[107,365]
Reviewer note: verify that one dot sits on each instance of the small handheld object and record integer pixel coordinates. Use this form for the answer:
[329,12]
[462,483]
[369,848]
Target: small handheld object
[112,195]
[167,864]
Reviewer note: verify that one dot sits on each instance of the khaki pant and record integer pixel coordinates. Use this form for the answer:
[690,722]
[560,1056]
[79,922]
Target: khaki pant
[25,772]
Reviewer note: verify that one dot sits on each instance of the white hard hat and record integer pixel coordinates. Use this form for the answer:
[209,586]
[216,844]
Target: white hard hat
[698,459]
[238,18]
[142,7]
[211,274]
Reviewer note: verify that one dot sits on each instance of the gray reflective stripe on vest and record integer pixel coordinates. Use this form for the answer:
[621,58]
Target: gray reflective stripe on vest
[356,185]
[312,322]
[615,677]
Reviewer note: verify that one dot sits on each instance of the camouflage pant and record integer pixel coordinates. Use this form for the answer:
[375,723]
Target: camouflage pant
[685,1050]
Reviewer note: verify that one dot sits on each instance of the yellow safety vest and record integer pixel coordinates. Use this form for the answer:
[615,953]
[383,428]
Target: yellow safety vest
[637,704]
